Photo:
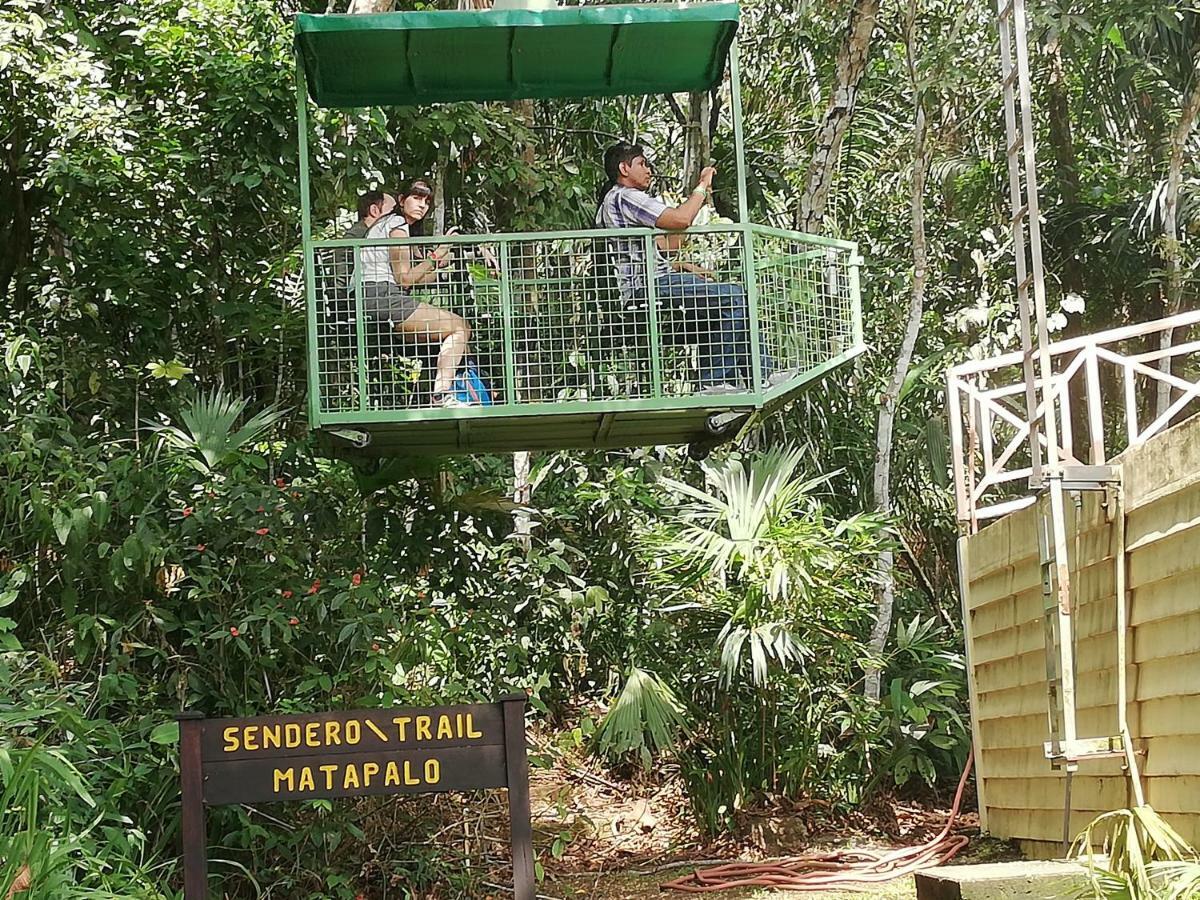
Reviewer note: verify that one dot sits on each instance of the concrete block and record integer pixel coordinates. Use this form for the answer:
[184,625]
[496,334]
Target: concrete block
[1027,879]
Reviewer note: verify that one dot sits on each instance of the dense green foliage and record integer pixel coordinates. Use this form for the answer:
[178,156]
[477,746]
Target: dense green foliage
[163,546]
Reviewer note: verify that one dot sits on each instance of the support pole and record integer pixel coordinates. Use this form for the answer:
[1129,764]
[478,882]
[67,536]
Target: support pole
[1008,74]
[656,343]
[1033,218]
[739,154]
[521,829]
[506,317]
[195,839]
[310,291]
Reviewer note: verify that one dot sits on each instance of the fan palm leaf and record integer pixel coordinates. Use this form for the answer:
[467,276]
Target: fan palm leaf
[646,719]
[210,427]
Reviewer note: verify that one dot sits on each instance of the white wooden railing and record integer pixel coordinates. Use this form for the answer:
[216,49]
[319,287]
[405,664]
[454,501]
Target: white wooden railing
[1109,380]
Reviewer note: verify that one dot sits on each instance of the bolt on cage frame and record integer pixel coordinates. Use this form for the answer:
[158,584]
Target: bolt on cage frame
[617,355]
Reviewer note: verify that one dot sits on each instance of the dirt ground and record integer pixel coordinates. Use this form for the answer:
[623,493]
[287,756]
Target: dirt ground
[634,887]
[611,839]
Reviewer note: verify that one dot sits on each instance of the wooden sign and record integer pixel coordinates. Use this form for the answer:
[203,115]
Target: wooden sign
[354,754]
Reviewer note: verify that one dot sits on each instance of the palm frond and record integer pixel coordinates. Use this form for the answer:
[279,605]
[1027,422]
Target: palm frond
[1134,853]
[646,719]
[209,422]
[768,642]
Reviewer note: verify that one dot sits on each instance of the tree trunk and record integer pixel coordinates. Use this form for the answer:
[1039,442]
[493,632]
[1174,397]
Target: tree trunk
[1172,251]
[1066,172]
[697,151]
[1062,140]
[522,267]
[439,191]
[851,64]
[885,585]
[523,496]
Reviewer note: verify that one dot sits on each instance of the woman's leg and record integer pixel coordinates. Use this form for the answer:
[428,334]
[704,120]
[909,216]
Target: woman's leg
[432,324]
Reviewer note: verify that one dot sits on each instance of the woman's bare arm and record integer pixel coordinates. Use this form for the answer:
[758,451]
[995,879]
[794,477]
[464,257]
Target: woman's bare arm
[405,273]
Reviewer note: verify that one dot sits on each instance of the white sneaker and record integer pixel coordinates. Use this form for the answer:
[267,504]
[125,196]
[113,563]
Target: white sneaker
[777,378]
[448,400]
[724,388]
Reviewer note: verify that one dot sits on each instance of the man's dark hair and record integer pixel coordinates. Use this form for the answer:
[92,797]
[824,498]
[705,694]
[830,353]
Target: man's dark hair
[366,201]
[614,156]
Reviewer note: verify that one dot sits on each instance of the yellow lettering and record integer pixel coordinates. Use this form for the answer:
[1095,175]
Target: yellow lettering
[433,771]
[423,732]
[353,731]
[312,734]
[333,733]
[378,732]
[400,722]
[370,770]
[444,730]
[350,778]
[306,780]
[286,777]
[291,735]
[328,770]
[231,739]
[391,775]
[271,737]
[471,732]
[458,725]
[250,737]
[408,779]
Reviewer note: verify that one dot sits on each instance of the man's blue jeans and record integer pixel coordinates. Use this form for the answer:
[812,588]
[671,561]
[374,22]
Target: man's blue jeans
[717,317]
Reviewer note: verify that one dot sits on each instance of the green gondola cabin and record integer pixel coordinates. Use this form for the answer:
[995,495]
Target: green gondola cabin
[574,354]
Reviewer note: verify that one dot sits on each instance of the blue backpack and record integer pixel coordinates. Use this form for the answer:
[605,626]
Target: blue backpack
[469,387]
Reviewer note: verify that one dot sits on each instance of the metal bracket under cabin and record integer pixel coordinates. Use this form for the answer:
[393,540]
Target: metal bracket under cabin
[1090,478]
[351,437]
[1083,748]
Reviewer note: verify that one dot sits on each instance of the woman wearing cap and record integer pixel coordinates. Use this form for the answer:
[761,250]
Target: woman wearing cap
[389,273]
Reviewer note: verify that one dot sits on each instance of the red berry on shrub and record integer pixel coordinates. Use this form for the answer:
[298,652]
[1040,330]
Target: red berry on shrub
[200,548]
[262,531]
[316,586]
[187,511]
[356,579]
[375,647]
[287,595]
[234,631]
[293,621]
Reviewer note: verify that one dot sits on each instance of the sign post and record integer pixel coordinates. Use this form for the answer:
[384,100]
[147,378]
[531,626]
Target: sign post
[354,754]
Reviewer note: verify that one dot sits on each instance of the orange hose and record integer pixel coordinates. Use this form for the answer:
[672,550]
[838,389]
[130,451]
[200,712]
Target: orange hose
[821,871]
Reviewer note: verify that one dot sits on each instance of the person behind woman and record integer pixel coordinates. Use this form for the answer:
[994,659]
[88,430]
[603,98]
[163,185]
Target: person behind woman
[390,273]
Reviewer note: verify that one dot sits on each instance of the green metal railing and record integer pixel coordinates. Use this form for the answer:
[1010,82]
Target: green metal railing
[572,322]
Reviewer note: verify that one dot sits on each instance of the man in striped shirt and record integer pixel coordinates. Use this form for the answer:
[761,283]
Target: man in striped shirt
[714,315]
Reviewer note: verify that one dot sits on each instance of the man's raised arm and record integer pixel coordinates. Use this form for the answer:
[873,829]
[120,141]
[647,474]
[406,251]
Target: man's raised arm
[677,218]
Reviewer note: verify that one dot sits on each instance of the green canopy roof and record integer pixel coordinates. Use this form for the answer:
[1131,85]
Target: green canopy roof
[412,58]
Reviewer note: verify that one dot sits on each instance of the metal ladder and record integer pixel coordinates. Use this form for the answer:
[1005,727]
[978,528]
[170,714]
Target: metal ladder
[1048,475]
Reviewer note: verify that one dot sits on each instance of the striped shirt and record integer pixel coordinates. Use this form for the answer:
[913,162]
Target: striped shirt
[626,207]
